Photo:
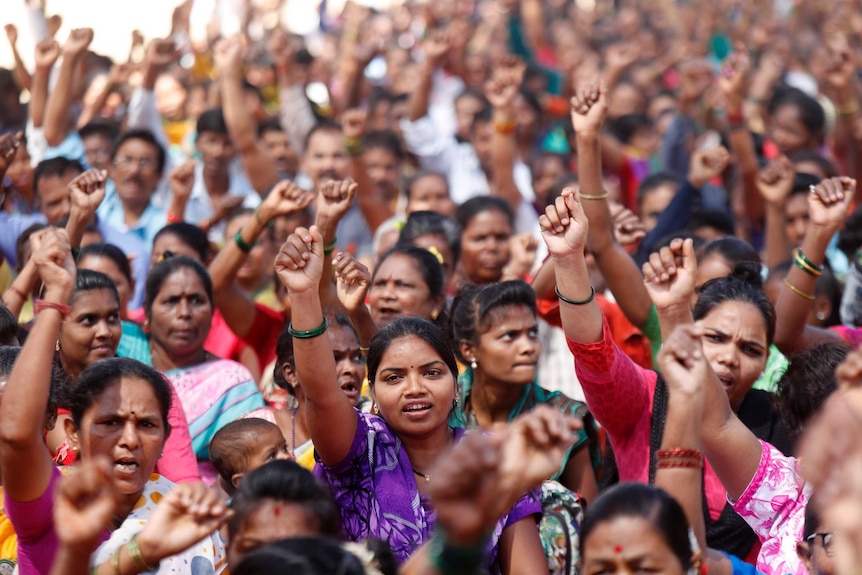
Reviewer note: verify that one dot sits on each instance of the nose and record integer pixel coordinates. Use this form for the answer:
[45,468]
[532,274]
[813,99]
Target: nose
[529,346]
[414,385]
[348,367]
[102,329]
[183,308]
[129,439]
[727,355]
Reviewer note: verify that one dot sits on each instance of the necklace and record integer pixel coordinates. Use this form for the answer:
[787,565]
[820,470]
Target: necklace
[425,476]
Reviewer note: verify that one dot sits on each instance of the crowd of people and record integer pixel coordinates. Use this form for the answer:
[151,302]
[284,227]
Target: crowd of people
[491,286]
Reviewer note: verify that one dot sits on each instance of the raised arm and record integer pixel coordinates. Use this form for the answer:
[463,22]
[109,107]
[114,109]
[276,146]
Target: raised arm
[142,112]
[228,55]
[235,306]
[57,114]
[295,113]
[331,419]
[353,280]
[827,209]
[436,46]
[117,77]
[774,183]
[21,75]
[375,209]
[47,52]
[589,108]
[501,92]
[334,199]
[86,192]
[26,463]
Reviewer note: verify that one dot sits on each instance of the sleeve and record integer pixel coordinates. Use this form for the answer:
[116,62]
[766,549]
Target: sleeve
[615,387]
[424,140]
[10,228]
[674,146]
[355,466]
[33,519]
[295,116]
[529,504]
[672,219]
[851,301]
[37,145]
[178,462]
[652,330]
[264,332]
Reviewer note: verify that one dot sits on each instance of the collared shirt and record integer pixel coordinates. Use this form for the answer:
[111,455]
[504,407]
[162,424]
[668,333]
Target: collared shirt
[111,211]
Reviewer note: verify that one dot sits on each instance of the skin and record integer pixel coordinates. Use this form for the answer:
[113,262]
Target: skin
[53,194]
[625,99]
[217,151]
[21,173]
[170,97]
[485,247]
[92,331]
[508,351]
[125,423]
[326,157]
[277,147]
[710,268]
[465,108]
[796,218]
[438,242]
[547,171]
[349,361]
[431,193]
[481,137]
[817,561]
[271,521]
[264,447]
[628,545]
[180,316]
[735,345]
[788,132]
[654,203]
[98,150]
[256,269]
[135,185]
[173,244]
[773,287]
[125,286]
[383,169]
[399,289]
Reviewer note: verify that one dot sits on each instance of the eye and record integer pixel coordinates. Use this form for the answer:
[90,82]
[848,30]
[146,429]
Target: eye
[113,318]
[392,378]
[357,357]
[713,337]
[147,424]
[533,333]
[433,372]
[752,351]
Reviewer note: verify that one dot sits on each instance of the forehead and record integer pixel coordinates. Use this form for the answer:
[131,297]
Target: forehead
[737,317]
[128,394]
[173,243]
[54,183]
[325,140]
[625,538]
[408,351]
[488,220]
[428,184]
[101,264]
[102,298]
[136,146]
[397,266]
[182,280]
[342,337]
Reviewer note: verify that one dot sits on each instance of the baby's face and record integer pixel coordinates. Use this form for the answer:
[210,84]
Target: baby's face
[268,446]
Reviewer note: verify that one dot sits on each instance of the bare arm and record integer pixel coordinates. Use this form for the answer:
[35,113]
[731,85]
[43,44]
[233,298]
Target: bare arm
[47,53]
[22,76]
[333,201]
[25,282]
[60,100]
[774,184]
[501,92]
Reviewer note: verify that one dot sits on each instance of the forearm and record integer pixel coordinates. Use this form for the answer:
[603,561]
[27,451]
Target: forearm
[544,280]
[777,246]
[504,152]
[365,327]
[419,99]
[581,323]
[674,217]
[91,110]
[670,317]
[21,75]
[242,130]
[73,559]
[76,226]
[39,97]
[59,102]
[742,146]
[16,296]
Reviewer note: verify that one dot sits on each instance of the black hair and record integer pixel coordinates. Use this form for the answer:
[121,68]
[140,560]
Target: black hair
[145,136]
[625,127]
[744,284]
[284,480]
[165,269]
[802,183]
[103,127]
[812,517]
[429,266]
[249,87]
[830,170]
[483,116]
[311,556]
[89,280]
[232,444]
[23,240]
[212,120]
[422,223]
[543,155]
[811,113]
[405,327]
[717,219]
[9,355]
[664,242]
[850,238]
[271,125]
[8,327]
[57,167]
[385,140]
[808,381]
[479,204]
[321,126]
[733,250]
[827,286]
[421,175]
[655,181]
[101,375]
[111,252]
[563,182]
[471,93]
[475,309]
[189,234]
[649,503]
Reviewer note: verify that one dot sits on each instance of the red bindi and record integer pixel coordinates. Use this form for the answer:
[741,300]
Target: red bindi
[618,549]
[276,511]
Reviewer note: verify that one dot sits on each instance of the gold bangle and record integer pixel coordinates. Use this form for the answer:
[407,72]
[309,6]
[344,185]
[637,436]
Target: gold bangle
[601,196]
[115,561]
[848,109]
[798,291]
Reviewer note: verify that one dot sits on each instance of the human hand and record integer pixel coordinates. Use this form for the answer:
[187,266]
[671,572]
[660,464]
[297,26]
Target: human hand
[9,143]
[119,74]
[695,79]
[47,52]
[775,181]
[589,107]
[670,273]
[706,165]
[829,202]
[564,225]
[78,42]
[299,263]
[187,514]
[52,254]
[353,123]
[88,190]
[522,249]
[628,228]
[161,52]
[11,34]
[733,77]
[182,180]
[684,366]
[506,79]
[436,47]
[224,206]
[621,55]
[284,199]
[137,38]
[333,200]
[352,281]
[85,503]
[228,54]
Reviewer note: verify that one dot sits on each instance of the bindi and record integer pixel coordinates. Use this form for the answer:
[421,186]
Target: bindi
[618,549]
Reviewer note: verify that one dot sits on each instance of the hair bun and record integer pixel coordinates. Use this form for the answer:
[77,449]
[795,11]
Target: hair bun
[748,272]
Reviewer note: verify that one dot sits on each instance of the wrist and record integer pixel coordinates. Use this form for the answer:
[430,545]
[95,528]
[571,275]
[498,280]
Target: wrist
[587,137]
[150,548]
[697,183]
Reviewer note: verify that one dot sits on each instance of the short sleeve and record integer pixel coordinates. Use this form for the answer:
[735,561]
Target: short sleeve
[33,519]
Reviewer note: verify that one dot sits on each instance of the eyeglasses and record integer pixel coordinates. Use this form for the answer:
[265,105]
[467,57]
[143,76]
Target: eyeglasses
[825,540]
[142,163]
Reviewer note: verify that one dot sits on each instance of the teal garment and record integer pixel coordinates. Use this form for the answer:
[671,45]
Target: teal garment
[776,365]
[652,331]
[134,343]
[533,395]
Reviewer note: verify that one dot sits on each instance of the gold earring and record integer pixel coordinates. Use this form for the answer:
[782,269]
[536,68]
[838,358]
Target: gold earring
[473,364]
[375,409]
[57,346]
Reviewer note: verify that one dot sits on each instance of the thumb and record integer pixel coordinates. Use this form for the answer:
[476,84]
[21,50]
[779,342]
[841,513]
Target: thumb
[689,259]
[316,241]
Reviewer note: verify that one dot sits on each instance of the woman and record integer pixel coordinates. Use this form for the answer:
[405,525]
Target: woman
[495,332]
[433,231]
[212,391]
[412,375]
[408,282]
[486,228]
[111,261]
[119,410]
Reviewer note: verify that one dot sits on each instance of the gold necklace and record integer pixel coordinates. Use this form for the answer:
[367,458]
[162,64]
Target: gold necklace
[426,476]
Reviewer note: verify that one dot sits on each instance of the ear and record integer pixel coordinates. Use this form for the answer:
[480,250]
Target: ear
[803,551]
[467,350]
[290,375]
[235,479]
[822,307]
[71,433]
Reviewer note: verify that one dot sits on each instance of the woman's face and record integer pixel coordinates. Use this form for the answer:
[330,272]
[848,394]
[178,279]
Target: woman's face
[414,388]
[257,264]
[271,521]
[125,424]
[171,244]
[735,345]
[508,351]
[786,129]
[438,242]
[92,331]
[627,545]
[349,361]
[181,314]
[399,290]
[107,266]
[485,247]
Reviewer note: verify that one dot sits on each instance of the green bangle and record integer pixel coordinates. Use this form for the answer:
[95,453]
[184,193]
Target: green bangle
[806,262]
[329,248]
[308,334]
[137,558]
[76,253]
[452,560]
[240,243]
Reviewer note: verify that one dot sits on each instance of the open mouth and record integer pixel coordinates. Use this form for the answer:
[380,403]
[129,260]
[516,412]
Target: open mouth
[417,408]
[726,381]
[350,389]
[126,465]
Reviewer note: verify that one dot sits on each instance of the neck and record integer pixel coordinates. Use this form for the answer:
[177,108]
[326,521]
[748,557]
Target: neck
[252,285]
[216,184]
[492,401]
[164,361]
[125,506]
[132,212]
[423,452]
[72,371]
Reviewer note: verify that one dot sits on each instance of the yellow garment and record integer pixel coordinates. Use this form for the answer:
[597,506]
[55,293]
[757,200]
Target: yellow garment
[306,458]
[7,276]
[8,542]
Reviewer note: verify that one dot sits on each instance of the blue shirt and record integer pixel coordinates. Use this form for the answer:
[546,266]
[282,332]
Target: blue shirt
[111,211]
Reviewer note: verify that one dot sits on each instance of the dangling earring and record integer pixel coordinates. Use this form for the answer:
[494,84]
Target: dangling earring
[473,364]
[455,401]
[75,448]
[821,316]
[57,346]
[434,314]
[375,409]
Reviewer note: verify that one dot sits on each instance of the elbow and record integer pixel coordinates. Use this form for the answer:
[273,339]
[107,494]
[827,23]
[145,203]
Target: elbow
[16,435]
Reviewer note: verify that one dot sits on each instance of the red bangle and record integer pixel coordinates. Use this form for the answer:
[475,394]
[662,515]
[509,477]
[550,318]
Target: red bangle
[504,128]
[18,292]
[41,305]
[174,219]
[680,464]
[678,452]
